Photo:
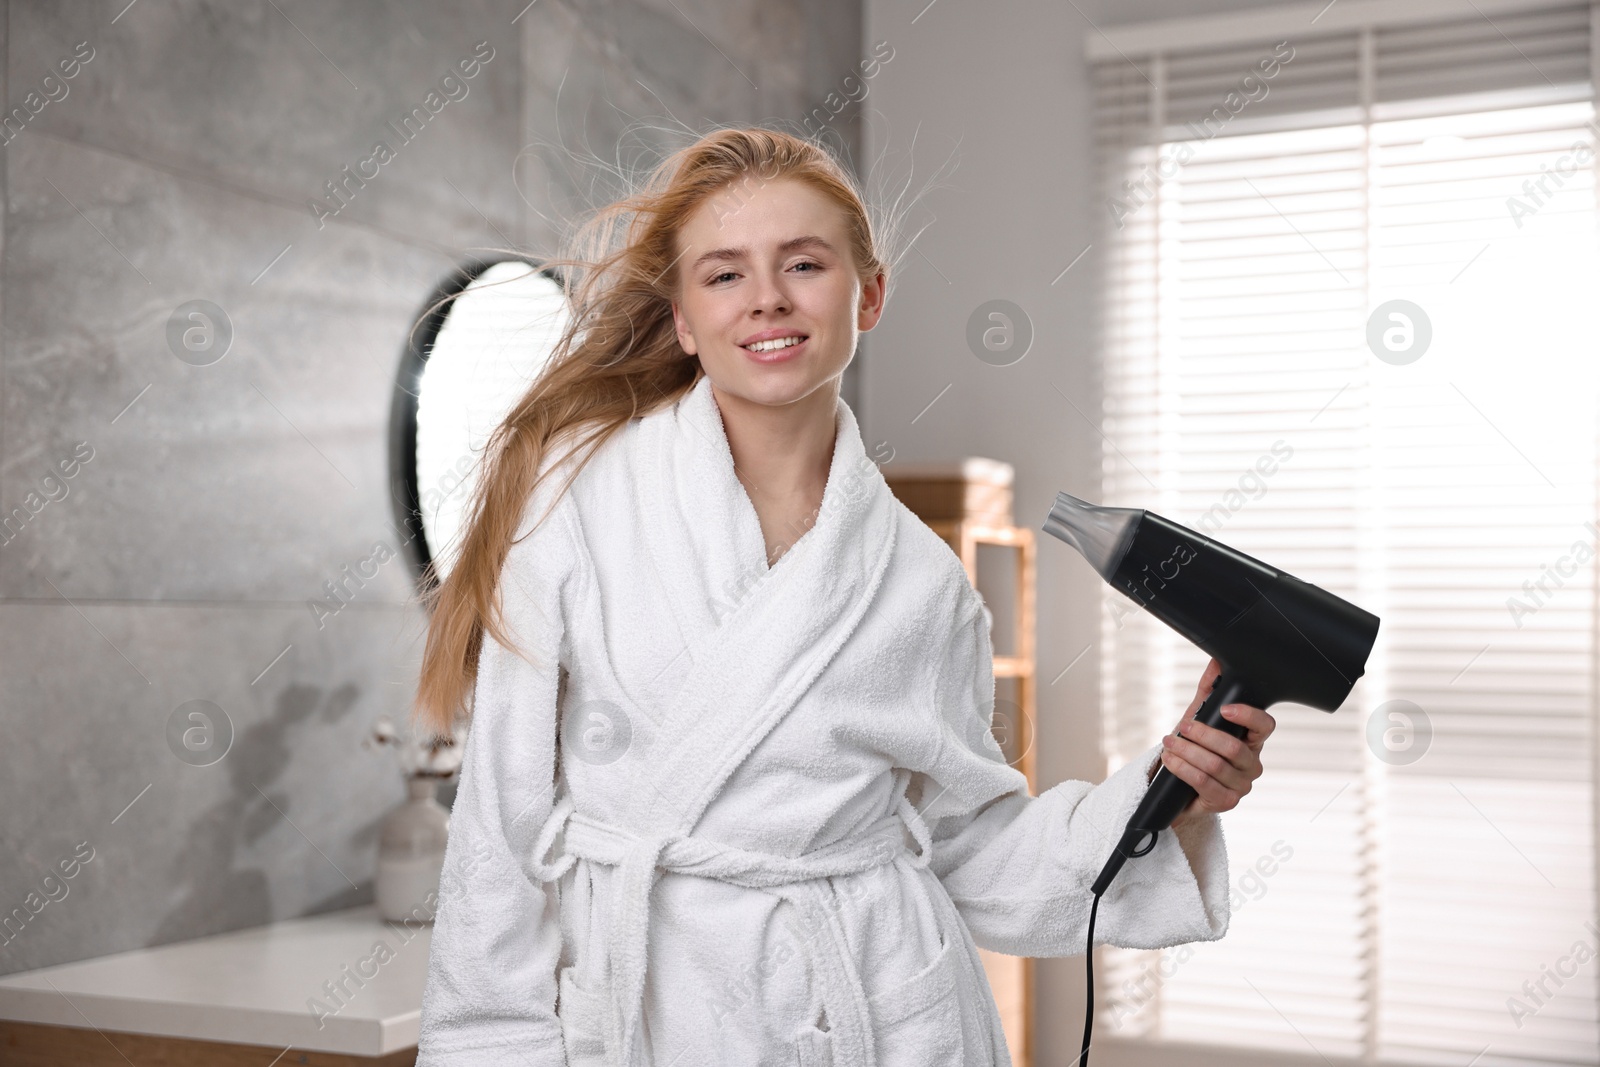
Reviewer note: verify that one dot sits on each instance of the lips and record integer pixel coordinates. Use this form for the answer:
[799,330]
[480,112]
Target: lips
[771,335]
[778,355]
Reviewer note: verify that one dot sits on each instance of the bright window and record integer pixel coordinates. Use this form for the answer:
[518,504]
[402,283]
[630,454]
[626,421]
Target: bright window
[1414,877]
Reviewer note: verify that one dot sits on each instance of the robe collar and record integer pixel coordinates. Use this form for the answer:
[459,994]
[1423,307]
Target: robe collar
[756,636]
[706,472]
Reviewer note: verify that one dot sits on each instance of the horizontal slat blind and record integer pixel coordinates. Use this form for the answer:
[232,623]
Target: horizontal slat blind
[1488,474]
[1437,65]
[1260,265]
[1385,911]
[1263,84]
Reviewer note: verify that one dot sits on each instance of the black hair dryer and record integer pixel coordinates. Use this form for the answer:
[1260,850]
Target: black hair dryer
[1276,637]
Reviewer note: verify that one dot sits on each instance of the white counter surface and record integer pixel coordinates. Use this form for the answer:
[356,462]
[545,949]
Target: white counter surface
[321,984]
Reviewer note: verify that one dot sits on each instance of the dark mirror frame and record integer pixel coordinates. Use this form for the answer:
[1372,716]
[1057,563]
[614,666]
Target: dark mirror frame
[405,490]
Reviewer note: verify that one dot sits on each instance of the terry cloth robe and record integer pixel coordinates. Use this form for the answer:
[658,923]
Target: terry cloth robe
[721,813]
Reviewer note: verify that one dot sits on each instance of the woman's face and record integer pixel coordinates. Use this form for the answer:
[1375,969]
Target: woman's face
[771,259]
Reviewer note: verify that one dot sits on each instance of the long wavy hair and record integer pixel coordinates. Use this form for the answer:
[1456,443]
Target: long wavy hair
[617,358]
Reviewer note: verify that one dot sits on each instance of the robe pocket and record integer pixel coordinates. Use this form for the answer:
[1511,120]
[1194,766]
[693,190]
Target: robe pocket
[583,1021]
[919,1021]
[814,1047]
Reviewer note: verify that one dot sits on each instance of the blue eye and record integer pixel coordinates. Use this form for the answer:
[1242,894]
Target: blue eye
[714,279]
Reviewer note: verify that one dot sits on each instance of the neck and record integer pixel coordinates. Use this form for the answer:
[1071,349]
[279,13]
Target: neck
[782,453]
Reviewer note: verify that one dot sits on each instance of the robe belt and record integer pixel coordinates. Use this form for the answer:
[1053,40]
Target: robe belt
[638,859]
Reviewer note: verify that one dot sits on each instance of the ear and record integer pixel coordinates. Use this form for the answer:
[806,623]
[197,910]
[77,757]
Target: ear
[874,292]
[685,338]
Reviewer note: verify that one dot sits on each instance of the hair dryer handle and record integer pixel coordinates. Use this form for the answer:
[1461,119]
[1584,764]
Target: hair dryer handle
[1168,794]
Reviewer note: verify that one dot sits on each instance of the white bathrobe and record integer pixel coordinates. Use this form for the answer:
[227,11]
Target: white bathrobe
[731,814]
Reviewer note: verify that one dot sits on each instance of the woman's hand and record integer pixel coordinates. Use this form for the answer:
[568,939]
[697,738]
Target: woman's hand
[1218,765]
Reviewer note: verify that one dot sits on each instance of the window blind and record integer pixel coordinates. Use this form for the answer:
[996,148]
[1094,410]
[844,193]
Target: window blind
[1413,878]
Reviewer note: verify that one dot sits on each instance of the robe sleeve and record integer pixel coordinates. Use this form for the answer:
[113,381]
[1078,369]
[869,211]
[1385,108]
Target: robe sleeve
[1019,867]
[490,992]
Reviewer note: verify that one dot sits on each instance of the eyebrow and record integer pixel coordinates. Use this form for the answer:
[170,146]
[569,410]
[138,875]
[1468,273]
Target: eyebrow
[806,241]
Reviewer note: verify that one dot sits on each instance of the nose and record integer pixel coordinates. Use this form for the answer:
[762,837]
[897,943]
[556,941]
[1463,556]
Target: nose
[769,294]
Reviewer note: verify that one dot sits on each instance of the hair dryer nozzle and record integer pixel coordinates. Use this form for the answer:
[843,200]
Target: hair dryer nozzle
[1101,534]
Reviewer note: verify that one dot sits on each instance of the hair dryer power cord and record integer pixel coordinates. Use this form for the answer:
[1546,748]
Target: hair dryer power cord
[1124,850]
[1088,1008]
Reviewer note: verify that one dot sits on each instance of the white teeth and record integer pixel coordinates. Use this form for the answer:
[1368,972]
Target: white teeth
[774,345]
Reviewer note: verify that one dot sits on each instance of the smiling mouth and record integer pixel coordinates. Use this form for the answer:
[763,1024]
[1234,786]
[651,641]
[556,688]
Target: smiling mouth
[775,345]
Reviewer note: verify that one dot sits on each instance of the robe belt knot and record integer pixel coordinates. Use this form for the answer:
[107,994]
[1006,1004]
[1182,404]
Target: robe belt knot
[639,859]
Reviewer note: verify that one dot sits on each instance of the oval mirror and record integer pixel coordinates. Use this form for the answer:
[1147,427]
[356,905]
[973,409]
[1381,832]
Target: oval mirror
[472,360]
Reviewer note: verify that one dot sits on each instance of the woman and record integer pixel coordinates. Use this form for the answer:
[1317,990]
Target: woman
[734,798]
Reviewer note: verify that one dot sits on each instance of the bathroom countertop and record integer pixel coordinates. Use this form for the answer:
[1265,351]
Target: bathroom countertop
[343,981]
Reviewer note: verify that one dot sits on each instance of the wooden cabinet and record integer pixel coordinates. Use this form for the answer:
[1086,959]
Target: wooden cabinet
[35,1045]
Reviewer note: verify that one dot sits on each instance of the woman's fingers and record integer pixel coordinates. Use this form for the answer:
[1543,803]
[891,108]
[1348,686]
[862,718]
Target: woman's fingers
[1219,766]
[1226,773]
[1256,720]
[1209,793]
[1231,762]
[1240,754]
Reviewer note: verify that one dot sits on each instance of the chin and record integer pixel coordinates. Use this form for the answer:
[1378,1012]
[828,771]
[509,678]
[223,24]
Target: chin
[771,390]
[772,386]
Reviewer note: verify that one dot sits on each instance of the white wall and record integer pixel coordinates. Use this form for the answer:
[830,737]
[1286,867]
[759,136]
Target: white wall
[1004,89]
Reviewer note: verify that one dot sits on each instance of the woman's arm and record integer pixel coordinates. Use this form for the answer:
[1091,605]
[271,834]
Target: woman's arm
[491,987]
[1019,867]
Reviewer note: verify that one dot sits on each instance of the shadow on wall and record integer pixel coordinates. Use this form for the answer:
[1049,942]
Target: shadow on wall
[206,876]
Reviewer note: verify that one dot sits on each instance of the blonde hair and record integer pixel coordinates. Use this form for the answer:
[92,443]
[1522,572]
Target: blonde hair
[617,358]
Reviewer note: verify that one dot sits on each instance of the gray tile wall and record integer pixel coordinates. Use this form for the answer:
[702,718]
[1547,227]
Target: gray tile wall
[207,505]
